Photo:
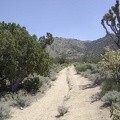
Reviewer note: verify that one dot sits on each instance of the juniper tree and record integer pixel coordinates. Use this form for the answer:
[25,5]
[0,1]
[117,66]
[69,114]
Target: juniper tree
[44,41]
[20,54]
[112,20]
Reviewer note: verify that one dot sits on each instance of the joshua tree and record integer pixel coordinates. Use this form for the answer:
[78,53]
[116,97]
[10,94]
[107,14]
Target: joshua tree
[112,20]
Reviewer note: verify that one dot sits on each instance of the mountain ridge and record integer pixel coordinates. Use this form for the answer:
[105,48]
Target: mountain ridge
[74,48]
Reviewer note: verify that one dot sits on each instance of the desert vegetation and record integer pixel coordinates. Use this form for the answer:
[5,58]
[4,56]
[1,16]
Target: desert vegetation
[106,72]
[27,69]
[25,66]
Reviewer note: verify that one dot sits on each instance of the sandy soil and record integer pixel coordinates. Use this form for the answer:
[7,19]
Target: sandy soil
[78,101]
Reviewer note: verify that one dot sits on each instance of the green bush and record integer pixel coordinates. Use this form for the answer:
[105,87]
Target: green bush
[32,83]
[83,67]
[109,85]
[111,62]
[97,78]
[111,96]
[62,60]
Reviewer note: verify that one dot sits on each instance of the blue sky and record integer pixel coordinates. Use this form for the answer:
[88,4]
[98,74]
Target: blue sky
[80,19]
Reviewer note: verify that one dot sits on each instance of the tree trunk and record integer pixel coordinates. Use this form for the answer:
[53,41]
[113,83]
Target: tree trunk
[14,86]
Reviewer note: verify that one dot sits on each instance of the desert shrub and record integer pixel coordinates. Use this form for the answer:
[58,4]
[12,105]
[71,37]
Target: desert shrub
[52,75]
[76,64]
[44,80]
[62,110]
[21,98]
[9,97]
[32,83]
[96,74]
[96,78]
[64,65]
[112,97]
[109,85]
[112,100]
[88,71]
[4,111]
[59,68]
[45,83]
[83,67]
[62,60]
[116,111]
[111,61]
[56,68]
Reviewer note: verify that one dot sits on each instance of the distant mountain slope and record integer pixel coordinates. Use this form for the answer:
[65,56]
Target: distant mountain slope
[74,48]
[96,47]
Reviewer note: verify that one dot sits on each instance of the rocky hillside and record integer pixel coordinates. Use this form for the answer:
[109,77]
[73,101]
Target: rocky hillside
[73,48]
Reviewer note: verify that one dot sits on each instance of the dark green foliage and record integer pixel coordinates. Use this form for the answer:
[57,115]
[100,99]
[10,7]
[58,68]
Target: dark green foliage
[112,20]
[61,60]
[20,54]
[109,85]
[44,41]
[32,84]
[83,67]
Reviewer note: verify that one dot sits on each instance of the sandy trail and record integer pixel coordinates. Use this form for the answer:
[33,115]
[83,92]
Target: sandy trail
[78,103]
[81,107]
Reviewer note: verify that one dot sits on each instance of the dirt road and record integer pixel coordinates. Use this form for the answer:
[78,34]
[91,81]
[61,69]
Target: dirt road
[78,101]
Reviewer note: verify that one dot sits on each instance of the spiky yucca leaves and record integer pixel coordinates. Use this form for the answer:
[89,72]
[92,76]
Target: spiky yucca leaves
[112,20]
